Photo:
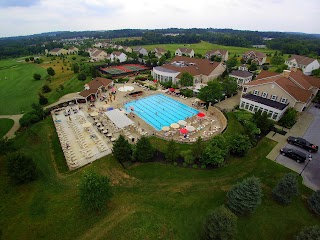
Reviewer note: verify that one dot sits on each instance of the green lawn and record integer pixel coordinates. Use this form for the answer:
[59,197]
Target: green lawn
[18,89]
[151,201]
[5,125]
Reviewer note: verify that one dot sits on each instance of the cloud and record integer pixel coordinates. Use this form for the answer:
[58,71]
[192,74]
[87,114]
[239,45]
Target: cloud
[18,3]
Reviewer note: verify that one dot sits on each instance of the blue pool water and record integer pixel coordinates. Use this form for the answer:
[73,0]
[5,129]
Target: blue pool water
[160,110]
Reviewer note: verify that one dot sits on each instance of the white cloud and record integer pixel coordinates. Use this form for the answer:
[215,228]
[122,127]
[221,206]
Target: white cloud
[75,15]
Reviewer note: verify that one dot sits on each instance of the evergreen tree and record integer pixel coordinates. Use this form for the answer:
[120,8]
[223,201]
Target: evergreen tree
[122,150]
[245,196]
[197,148]
[143,151]
[286,189]
[172,151]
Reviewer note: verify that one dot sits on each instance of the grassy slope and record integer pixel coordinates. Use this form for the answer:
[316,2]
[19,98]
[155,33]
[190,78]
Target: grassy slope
[5,125]
[18,89]
[151,200]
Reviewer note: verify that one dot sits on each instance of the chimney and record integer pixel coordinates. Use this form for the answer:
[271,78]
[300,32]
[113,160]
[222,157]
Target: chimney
[286,73]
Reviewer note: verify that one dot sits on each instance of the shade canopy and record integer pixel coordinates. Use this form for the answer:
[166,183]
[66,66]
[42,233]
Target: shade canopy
[190,128]
[175,125]
[182,122]
[184,130]
[201,114]
[94,114]
[165,128]
[119,118]
[86,124]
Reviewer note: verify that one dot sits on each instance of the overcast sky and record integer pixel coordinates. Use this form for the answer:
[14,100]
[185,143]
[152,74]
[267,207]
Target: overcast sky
[24,17]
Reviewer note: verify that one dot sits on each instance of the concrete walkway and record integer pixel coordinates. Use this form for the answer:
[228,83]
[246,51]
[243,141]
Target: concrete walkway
[229,103]
[65,98]
[15,127]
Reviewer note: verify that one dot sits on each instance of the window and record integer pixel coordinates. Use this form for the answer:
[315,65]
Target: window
[273,97]
[256,92]
[245,90]
[242,105]
[247,106]
[255,109]
[275,115]
[251,108]
[270,114]
[264,95]
[284,100]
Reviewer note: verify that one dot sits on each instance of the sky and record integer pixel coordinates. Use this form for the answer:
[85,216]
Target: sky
[25,17]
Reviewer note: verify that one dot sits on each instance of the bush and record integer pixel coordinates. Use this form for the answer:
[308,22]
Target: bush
[244,197]
[203,166]
[314,202]
[42,100]
[220,223]
[289,118]
[171,153]
[195,166]
[239,144]
[36,76]
[175,164]
[122,150]
[286,189]
[309,233]
[215,152]
[186,92]
[21,168]
[82,76]
[185,164]
[188,157]
[46,89]
[265,67]
[143,151]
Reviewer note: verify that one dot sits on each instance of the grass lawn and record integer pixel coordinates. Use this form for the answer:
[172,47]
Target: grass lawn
[18,89]
[5,125]
[151,200]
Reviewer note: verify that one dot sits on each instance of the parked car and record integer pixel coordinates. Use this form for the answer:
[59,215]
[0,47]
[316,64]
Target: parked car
[296,155]
[301,142]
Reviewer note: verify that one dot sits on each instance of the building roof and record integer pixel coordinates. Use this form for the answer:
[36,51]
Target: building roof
[213,52]
[265,101]
[117,53]
[87,93]
[137,49]
[243,74]
[302,59]
[56,50]
[257,54]
[164,69]
[98,52]
[266,74]
[160,50]
[185,50]
[94,85]
[194,66]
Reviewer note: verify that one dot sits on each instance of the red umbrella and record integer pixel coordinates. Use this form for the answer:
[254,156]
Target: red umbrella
[183,130]
[171,89]
[200,114]
[155,80]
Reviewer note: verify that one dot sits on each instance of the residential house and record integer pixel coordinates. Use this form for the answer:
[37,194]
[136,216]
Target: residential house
[73,50]
[241,76]
[58,51]
[97,55]
[117,55]
[273,93]
[184,52]
[159,52]
[127,49]
[140,50]
[202,70]
[223,54]
[257,57]
[305,63]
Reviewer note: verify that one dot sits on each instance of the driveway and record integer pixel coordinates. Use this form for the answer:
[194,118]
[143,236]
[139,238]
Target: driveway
[311,176]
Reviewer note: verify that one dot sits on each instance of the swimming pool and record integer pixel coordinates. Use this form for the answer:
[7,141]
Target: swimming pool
[160,110]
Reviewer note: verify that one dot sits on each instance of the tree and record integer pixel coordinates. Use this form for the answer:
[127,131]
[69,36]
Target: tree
[220,223]
[230,86]
[232,62]
[262,121]
[289,118]
[82,76]
[245,196]
[211,93]
[21,168]
[286,189]
[42,99]
[239,144]
[172,151]
[95,190]
[36,76]
[314,202]
[143,151]
[197,148]
[253,67]
[309,233]
[122,150]
[186,79]
[51,71]
[75,68]
[215,152]
[281,68]
[168,54]
[277,60]
[27,59]
[188,157]
[31,59]
[46,89]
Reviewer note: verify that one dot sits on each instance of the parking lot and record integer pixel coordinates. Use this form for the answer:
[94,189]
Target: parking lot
[311,174]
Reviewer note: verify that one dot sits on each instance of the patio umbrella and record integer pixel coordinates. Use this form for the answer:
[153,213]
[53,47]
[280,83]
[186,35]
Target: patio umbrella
[94,114]
[183,131]
[190,128]
[175,125]
[171,89]
[182,122]
[200,114]
[177,91]
[165,128]
[86,125]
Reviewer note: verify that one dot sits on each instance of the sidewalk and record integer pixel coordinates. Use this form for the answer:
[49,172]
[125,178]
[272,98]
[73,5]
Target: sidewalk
[15,127]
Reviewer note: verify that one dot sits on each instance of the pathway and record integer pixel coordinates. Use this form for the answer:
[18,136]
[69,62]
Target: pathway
[16,125]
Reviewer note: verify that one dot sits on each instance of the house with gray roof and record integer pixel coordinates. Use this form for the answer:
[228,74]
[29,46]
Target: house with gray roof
[306,64]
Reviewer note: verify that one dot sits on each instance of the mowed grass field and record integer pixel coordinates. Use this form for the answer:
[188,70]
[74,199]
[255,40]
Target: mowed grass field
[18,89]
[151,200]
[5,125]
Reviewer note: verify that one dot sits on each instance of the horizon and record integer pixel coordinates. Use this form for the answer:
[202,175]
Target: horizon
[32,16]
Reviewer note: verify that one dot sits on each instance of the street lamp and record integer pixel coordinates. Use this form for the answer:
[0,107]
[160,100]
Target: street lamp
[309,159]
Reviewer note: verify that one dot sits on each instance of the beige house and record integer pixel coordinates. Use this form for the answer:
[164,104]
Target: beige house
[202,70]
[127,49]
[97,55]
[184,52]
[73,50]
[274,93]
[257,57]
[306,64]
[159,52]
[58,51]
[224,54]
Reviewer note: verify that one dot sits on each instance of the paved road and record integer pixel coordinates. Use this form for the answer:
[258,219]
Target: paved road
[16,125]
[311,174]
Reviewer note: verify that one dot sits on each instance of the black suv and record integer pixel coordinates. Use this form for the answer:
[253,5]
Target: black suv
[295,155]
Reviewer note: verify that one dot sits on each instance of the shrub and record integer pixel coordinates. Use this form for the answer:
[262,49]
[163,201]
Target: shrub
[215,152]
[42,100]
[36,76]
[188,157]
[286,189]
[220,223]
[21,168]
[289,118]
[46,89]
[203,166]
[171,153]
[185,164]
[51,71]
[175,164]
[314,202]
[309,233]
[122,150]
[82,76]
[143,151]
[195,166]
[239,144]
[186,92]
[245,196]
